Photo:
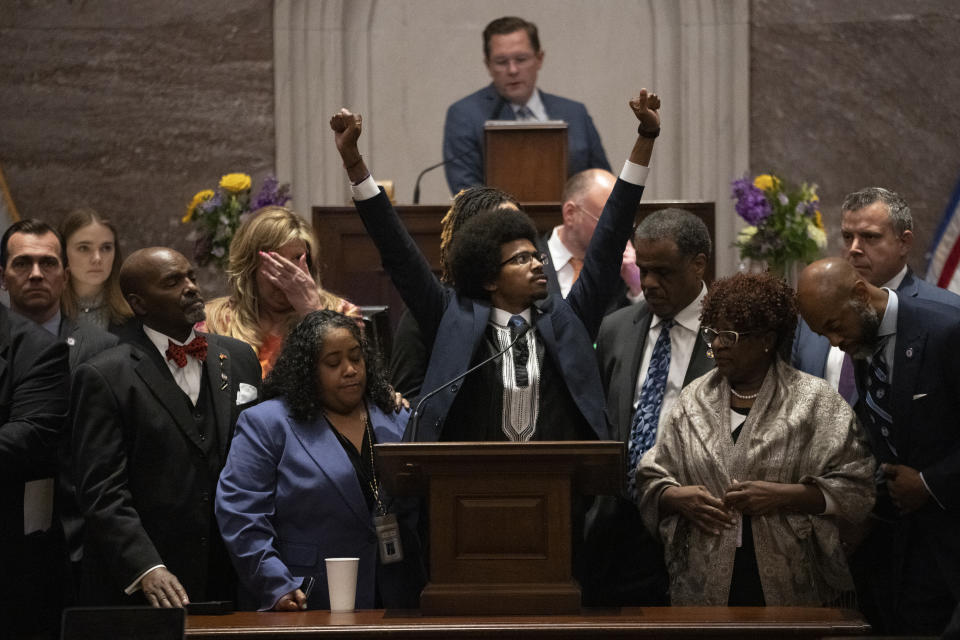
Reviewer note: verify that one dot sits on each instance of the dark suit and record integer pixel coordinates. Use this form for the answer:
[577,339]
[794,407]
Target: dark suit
[33,407]
[463,135]
[626,563]
[921,550]
[83,341]
[455,325]
[810,350]
[146,466]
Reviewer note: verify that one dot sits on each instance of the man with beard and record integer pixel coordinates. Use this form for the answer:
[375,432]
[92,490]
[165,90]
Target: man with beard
[908,377]
[152,420]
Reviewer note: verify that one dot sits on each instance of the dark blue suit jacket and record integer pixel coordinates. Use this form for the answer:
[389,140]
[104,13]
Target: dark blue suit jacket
[463,135]
[810,350]
[455,325]
[925,405]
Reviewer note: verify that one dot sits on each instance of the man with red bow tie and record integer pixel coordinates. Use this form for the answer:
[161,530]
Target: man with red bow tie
[152,420]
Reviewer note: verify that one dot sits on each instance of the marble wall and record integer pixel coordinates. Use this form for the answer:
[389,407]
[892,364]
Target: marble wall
[859,93]
[131,106]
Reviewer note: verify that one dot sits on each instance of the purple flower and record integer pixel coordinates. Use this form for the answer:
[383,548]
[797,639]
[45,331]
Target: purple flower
[271,193]
[752,205]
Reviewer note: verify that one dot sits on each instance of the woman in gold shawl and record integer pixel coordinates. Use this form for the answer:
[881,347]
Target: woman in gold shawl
[755,465]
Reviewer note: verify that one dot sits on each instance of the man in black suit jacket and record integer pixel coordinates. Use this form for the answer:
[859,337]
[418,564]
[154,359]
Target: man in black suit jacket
[152,422]
[34,273]
[908,377]
[33,406]
[624,563]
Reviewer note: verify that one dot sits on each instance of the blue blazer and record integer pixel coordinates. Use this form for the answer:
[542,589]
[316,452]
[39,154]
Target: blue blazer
[463,135]
[810,350]
[455,324]
[925,405]
[289,497]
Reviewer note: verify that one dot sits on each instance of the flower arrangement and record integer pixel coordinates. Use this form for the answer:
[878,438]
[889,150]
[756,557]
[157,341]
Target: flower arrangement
[216,215]
[785,225]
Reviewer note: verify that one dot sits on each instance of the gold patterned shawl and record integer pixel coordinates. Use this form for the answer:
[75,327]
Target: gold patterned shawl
[799,430]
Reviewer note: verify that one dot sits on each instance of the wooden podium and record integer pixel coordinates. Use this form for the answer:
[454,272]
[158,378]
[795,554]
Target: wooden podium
[528,160]
[500,528]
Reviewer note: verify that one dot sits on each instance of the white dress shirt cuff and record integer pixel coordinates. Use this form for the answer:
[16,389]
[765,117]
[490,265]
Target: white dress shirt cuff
[135,585]
[634,173]
[932,494]
[366,189]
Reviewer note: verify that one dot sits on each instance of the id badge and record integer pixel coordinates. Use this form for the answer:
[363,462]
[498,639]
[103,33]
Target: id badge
[388,537]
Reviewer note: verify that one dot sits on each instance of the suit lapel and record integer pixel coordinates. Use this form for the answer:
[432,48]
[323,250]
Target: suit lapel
[4,350]
[322,446]
[699,362]
[222,386]
[907,361]
[156,376]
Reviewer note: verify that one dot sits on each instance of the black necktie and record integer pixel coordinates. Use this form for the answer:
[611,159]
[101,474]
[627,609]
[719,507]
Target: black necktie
[520,352]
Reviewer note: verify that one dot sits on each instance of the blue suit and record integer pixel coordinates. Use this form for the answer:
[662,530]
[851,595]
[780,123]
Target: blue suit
[810,350]
[463,135]
[919,553]
[455,324]
[289,497]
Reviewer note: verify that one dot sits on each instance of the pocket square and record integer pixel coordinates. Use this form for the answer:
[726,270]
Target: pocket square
[246,393]
[917,396]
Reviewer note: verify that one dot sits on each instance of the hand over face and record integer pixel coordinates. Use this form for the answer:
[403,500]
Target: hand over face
[754,497]
[291,278]
[163,590]
[906,487]
[646,107]
[346,128]
[699,506]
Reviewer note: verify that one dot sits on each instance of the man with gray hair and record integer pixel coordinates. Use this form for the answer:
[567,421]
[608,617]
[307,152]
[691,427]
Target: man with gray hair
[647,353]
[877,231]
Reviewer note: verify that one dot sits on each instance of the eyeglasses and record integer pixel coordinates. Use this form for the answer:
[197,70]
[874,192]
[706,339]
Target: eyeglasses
[521,60]
[727,338]
[524,258]
[590,215]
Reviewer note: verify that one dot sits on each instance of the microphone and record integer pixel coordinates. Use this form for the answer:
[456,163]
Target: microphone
[413,429]
[416,185]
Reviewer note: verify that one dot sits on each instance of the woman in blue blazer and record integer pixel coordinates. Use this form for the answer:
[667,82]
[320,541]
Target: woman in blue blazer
[300,485]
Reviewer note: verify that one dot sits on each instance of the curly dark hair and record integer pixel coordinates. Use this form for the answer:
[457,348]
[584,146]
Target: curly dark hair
[294,377]
[754,301]
[475,254]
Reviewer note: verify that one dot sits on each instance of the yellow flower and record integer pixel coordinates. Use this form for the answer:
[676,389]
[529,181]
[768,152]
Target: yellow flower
[235,182]
[818,220]
[819,236]
[766,182]
[746,233]
[201,196]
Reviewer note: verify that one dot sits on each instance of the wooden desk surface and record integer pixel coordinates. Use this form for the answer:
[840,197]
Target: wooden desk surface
[672,622]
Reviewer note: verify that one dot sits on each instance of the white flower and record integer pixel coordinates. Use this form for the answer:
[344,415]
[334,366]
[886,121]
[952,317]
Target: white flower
[817,234]
[218,251]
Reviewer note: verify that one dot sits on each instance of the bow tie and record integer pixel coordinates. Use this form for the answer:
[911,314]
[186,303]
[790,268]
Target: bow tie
[196,348]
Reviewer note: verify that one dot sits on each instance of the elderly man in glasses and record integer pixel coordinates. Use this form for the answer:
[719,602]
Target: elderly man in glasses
[512,55]
[546,387]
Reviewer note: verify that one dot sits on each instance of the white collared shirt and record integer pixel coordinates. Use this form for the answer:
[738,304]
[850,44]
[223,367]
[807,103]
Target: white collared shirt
[683,337]
[521,405]
[535,104]
[187,378]
[560,259]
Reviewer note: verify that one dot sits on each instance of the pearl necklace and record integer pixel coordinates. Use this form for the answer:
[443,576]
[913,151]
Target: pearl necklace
[744,396]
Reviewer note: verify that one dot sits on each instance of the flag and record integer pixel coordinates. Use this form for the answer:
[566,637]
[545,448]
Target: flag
[944,255]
